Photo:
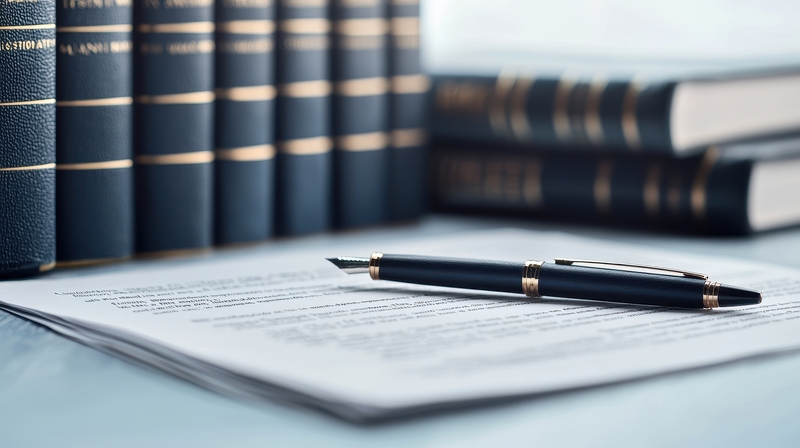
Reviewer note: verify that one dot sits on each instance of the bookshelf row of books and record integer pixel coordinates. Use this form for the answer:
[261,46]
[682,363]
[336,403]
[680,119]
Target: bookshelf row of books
[164,126]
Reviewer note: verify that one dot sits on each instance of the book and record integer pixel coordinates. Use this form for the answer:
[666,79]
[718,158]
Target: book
[245,103]
[27,137]
[668,112]
[284,325]
[174,125]
[303,120]
[94,132]
[729,189]
[360,112]
[408,114]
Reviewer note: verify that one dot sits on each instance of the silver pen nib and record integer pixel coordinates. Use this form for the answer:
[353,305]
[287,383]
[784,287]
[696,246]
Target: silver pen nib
[351,265]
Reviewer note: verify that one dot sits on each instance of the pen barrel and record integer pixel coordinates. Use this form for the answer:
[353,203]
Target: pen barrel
[487,275]
[620,286]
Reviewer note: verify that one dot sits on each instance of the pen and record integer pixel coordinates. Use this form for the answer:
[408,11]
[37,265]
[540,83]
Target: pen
[577,279]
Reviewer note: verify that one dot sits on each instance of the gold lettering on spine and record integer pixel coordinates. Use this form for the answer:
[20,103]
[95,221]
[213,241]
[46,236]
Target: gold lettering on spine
[652,192]
[630,126]
[560,112]
[94,4]
[518,115]
[700,184]
[241,46]
[92,48]
[190,47]
[27,45]
[497,109]
[592,121]
[602,187]
[462,98]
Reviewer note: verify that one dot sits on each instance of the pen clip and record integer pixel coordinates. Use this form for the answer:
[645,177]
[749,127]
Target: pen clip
[639,268]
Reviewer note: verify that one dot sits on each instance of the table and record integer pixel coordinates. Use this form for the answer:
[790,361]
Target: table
[55,392]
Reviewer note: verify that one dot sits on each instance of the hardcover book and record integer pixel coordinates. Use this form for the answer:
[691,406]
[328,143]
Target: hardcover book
[27,137]
[360,112]
[303,129]
[94,132]
[668,111]
[408,114]
[175,125]
[245,102]
[728,189]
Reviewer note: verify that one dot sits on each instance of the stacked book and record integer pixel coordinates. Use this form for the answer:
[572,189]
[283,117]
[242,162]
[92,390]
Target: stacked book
[671,148]
[165,126]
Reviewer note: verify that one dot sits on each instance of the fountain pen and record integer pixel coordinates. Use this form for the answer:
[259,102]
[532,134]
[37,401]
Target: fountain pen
[567,278]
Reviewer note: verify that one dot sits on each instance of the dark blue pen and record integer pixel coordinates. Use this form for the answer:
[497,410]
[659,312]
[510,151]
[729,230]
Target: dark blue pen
[577,279]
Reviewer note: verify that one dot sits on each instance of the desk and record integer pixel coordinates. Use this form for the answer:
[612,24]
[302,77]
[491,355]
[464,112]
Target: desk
[55,392]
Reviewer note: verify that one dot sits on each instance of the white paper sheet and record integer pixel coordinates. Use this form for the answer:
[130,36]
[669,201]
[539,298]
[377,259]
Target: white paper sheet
[292,327]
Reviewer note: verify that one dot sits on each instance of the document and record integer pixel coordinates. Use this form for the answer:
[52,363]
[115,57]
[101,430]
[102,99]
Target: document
[290,326]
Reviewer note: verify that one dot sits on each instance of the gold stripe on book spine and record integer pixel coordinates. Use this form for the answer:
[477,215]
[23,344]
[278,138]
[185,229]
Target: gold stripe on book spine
[120,101]
[630,125]
[178,28]
[186,158]
[369,141]
[251,93]
[46,26]
[518,114]
[652,192]
[700,184]
[96,29]
[361,27]
[90,262]
[177,98]
[560,106]
[261,27]
[305,89]
[45,166]
[405,26]
[108,165]
[411,84]
[408,138]
[362,87]
[592,121]
[602,187]
[497,104]
[306,146]
[305,26]
[246,153]
[29,103]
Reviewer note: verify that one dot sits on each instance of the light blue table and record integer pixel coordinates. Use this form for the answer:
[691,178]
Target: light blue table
[55,392]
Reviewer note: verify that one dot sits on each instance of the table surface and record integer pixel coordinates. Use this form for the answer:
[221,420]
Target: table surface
[56,392]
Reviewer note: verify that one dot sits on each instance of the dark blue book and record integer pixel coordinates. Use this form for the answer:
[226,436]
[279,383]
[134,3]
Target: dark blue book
[729,189]
[305,159]
[245,102]
[174,88]
[669,108]
[94,133]
[360,112]
[408,113]
[27,137]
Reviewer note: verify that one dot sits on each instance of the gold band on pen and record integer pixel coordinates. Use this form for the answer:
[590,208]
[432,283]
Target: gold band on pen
[530,278]
[375,265]
[711,294]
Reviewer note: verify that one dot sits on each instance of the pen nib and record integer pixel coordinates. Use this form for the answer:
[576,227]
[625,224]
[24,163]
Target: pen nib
[351,265]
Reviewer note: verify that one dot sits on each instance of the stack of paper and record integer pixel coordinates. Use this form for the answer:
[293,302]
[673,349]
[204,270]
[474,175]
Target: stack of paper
[294,328]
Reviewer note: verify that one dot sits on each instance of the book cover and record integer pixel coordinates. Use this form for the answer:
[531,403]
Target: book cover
[245,122]
[27,137]
[94,132]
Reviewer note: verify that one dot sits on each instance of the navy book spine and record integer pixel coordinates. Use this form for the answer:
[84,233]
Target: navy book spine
[94,132]
[705,193]
[245,104]
[303,120]
[592,111]
[27,137]
[408,114]
[174,87]
[360,112]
